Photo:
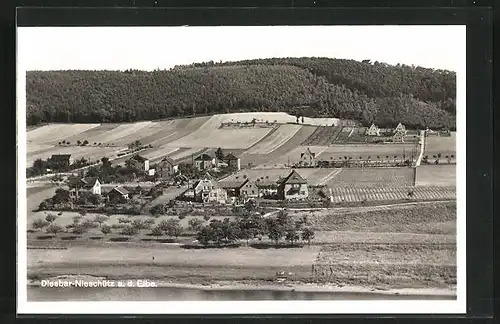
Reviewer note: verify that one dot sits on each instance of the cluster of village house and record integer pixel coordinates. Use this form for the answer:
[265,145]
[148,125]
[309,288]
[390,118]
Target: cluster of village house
[397,134]
[207,189]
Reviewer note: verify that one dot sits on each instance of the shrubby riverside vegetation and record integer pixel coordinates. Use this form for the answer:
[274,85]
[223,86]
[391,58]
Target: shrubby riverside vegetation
[315,87]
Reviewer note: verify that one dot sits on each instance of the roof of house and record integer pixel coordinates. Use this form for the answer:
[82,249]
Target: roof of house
[232,184]
[90,181]
[120,190]
[60,157]
[308,151]
[204,157]
[139,158]
[293,178]
[266,183]
[74,181]
[168,160]
[231,156]
[201,180]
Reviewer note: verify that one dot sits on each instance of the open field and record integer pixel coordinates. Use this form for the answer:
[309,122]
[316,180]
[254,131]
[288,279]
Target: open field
[377,152]
[159,152]
[53,133]
[93,153]
[417,218]
[275,140]
[373,178]
[266,160]
[164,132]
[446,145]
[210,135]
[436,175]
[293,156]
[323,136]
[357,194]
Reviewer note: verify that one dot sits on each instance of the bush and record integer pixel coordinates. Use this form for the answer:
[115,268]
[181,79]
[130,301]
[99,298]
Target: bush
[157,231]
[123,220]
[54,229]
[206,217]
[130,230]
[39,223]
[79,229]
[105,229]
[50,217]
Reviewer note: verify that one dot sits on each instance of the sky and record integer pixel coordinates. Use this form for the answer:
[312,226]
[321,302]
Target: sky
[149,48]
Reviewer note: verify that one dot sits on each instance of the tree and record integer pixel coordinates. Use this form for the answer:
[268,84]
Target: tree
[78,142]
[105,229]
[100,219]
[195,224]
[85,142]
[157,231]
[206,217]
[302,118]
[79,229]
[62,196]
[39,223]
[130,230]
[292,236]
[173,227]
[251,205]
[50,217]
[219,154]
[308,235]
[54,228]
[205,235]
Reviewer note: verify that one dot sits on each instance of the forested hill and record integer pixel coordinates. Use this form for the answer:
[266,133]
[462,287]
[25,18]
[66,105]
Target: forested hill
[349,89]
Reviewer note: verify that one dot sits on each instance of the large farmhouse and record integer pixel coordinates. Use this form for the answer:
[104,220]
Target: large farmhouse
[293,187]
[233,161]
[118,194]
[166,167]
[206,190]
[90,184]
[62,160]
[204,161]
[139,162]
[240,188]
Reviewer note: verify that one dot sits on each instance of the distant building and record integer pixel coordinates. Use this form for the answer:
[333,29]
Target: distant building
[62,160]
[233,161]
[307,158]
[139,162]
[400,128]
[166,167]
[89,184]
[373,130]
[398,137]
[204,162]
[118,194]
[240,188]
[293,187]
[206,190]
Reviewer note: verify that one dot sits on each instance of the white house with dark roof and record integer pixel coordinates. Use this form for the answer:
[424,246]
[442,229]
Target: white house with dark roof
[373,130]
[207,190]
[400,128]
[293,187]
[205,161]
[118,194]
[307,158]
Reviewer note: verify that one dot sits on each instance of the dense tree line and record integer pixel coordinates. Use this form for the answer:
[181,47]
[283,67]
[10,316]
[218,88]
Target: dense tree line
[314,87]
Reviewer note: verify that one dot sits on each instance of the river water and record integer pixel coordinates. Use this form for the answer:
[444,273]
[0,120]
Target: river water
[194,294]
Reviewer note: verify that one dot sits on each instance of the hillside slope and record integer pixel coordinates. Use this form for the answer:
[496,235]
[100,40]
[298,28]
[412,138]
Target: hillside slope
[329,88]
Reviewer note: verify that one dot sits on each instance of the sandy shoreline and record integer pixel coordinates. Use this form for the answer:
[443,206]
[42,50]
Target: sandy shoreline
[255,285]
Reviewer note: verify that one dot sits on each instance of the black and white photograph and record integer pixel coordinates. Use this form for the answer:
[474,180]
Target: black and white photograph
[241,169]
